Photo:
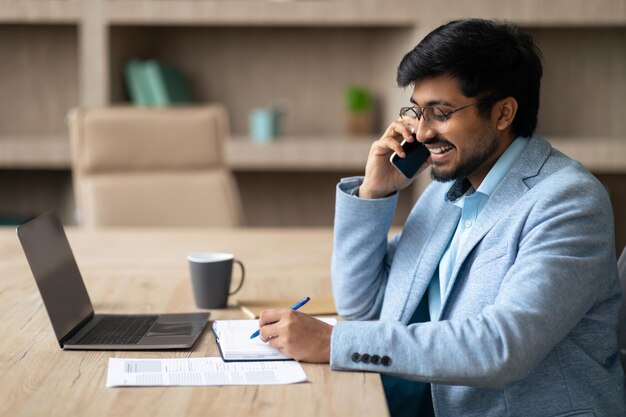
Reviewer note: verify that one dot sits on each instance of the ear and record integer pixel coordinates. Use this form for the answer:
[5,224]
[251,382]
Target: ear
[504,112]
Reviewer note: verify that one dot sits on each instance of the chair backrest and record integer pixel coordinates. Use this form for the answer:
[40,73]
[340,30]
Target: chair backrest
[621,267]
[136,166]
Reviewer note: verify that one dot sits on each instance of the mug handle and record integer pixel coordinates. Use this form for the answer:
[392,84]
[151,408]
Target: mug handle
[243,275]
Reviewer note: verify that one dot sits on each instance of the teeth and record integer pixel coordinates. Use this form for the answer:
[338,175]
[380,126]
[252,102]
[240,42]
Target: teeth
[440,150]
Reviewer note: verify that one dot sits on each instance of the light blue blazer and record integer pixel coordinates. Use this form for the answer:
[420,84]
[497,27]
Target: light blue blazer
[528,325]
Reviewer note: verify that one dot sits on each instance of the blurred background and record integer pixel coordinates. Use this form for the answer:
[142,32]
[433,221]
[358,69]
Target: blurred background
[307,85]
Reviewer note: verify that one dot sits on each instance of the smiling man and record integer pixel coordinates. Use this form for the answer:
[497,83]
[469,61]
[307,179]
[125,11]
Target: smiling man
[500,296]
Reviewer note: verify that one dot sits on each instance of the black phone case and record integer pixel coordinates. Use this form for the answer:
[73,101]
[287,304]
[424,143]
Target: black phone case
[416,155]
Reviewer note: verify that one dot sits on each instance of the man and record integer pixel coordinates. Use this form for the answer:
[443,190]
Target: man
[501,291]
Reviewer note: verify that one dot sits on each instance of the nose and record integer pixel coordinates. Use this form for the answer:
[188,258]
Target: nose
[423,131]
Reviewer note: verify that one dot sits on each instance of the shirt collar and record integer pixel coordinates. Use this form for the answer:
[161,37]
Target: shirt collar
[496,173]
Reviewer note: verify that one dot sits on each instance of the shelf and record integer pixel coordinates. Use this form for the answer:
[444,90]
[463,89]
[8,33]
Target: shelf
[531,13]
[605,156]
[35,153]
[258,13]
[319,153]
[328,153]
[40,11]
[302,153]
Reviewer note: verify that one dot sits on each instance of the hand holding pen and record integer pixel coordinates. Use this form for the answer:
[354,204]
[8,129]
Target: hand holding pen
[294,307]
[296,334]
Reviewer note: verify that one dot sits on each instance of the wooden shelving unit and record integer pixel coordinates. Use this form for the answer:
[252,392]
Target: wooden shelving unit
[58,54]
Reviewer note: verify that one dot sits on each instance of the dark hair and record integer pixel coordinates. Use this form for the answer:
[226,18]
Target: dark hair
[490,60]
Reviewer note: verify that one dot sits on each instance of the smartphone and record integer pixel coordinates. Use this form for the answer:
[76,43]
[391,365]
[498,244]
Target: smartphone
[416,155]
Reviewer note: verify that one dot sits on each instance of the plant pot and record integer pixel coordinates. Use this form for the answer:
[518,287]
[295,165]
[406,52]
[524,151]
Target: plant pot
[360,123]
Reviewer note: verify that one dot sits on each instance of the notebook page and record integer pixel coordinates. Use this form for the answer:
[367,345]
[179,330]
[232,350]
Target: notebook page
[235,344]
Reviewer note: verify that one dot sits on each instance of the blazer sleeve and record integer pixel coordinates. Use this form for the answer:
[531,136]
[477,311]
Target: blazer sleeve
[564,270]
[361,252]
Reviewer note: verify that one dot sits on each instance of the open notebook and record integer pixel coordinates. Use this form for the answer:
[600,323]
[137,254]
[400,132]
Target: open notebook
[233,340]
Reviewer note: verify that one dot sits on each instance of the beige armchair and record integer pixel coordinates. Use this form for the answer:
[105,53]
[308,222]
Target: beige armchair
[152,167]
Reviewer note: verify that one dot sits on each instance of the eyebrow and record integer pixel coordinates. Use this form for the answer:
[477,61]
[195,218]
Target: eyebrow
[433,103]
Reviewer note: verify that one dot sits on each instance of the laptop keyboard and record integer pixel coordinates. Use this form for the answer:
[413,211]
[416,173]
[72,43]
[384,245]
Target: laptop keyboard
[118,330]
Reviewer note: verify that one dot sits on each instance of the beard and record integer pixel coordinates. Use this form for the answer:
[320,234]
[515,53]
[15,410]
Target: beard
[475,156]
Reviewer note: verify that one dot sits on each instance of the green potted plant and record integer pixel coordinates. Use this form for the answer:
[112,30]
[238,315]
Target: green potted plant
[359,111]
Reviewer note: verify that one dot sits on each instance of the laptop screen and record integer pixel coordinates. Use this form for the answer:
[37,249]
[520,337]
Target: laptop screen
[51,260]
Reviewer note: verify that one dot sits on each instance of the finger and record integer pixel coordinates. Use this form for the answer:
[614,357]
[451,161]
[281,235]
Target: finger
[271,316]
[394,130]
[403,130]
[393,145]
[268,332]
[275,342]
[390,142]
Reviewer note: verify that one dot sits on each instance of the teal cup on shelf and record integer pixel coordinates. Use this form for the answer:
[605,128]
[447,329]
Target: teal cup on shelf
[264,125]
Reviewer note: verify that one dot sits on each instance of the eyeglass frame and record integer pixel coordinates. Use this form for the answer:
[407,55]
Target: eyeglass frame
[446,115]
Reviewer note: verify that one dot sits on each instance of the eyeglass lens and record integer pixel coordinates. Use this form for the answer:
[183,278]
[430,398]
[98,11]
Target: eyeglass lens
[433,116]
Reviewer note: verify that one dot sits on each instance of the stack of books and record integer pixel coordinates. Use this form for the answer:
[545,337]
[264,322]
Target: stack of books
[150,83]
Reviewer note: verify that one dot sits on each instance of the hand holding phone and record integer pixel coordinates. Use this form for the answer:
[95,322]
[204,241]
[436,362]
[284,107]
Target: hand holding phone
[416,155]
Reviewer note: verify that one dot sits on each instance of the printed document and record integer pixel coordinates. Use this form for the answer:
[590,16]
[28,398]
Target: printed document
[200,371]
[233,340]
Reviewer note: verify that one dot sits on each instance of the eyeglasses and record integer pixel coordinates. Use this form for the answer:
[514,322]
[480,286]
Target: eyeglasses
[434,117]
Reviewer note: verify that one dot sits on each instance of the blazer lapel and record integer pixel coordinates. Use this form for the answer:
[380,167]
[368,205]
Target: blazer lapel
[506,194]
[430,257]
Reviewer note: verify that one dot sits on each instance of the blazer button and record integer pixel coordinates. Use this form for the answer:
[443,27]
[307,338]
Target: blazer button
[375,359]
[365,358]
[386,360]
[356,357]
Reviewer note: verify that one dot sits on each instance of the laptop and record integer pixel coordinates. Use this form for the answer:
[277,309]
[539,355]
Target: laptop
[68,305]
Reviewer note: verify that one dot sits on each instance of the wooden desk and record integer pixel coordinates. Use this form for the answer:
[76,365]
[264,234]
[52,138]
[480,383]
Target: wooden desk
[145,271]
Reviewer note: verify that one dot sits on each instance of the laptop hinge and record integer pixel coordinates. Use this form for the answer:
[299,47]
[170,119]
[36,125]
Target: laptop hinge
[76,329]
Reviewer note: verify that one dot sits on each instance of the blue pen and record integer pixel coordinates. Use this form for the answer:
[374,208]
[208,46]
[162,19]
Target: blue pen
[294,307]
